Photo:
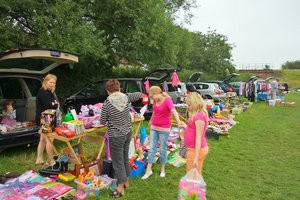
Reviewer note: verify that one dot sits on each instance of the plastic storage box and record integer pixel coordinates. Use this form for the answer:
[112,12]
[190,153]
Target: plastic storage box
[92,190]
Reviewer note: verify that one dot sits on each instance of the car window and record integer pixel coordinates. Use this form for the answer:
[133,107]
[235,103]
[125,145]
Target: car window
[94,90]
[204,86]
[171,88]
[132,87]
[11,88]
[34,85]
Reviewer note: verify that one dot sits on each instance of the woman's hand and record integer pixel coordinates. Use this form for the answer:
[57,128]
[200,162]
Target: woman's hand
[182,125]
[195,163]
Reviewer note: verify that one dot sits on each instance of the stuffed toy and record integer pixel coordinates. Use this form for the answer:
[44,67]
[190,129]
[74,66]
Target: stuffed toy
[9,114]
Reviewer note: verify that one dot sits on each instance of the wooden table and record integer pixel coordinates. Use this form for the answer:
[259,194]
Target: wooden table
[85,136]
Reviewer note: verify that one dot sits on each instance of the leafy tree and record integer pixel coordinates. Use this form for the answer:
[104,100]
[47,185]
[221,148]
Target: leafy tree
[291,65]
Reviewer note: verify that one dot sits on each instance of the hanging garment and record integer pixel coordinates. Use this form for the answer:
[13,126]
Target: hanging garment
[147,86]
[175,79]
[165,86]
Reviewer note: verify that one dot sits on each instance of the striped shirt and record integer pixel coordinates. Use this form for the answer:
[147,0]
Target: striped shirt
[118,122]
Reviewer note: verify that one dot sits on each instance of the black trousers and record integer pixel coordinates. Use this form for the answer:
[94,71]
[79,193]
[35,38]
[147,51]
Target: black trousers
[119,147]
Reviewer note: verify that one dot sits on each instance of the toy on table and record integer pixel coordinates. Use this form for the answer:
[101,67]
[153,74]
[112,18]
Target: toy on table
[63,131]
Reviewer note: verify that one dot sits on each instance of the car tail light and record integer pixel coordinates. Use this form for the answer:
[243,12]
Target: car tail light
[216,91]
[145,99]
[230,90]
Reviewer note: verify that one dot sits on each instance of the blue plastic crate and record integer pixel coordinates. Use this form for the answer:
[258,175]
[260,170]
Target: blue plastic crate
[139,171]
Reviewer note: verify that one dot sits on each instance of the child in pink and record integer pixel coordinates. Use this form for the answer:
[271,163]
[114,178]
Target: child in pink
[195,133]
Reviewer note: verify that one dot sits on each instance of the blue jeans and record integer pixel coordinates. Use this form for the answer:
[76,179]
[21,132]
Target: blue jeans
[162,137]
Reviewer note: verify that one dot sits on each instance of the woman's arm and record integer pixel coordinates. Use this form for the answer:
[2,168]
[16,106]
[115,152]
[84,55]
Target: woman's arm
[199,131]
[134,96]
[175,113]
[104,114]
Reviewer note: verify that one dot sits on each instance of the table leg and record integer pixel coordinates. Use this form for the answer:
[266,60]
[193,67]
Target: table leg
[101,149]
[137,129]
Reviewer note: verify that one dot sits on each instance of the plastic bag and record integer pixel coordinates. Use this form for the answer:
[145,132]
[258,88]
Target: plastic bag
[131,151]
[192,186]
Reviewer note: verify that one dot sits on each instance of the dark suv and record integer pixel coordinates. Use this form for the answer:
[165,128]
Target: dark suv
[224,85]
[95,92]
[21,74]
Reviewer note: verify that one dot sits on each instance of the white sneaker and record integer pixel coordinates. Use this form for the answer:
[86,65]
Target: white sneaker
[147,175]
[162,174]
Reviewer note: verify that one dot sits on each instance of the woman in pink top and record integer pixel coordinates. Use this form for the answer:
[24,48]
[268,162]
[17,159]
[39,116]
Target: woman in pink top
[160,124]
[194,136]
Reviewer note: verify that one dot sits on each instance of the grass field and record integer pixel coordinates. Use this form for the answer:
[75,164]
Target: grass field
[292,77]
[260,160]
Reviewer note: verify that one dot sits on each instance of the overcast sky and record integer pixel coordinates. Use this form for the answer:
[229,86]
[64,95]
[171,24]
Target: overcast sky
[263,31]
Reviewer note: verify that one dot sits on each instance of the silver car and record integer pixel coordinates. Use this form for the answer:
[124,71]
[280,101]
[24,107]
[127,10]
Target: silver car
[210,90]
[177,94]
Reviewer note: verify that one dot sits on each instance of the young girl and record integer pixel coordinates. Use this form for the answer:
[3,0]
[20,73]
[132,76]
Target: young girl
[160,124]
[194,137]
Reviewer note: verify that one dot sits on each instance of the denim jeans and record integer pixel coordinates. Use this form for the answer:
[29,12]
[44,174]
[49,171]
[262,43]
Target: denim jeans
[162,137]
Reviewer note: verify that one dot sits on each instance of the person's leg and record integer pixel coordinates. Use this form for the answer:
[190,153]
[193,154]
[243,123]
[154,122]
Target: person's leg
[190,155]
[126,159]
[202,155]
[117,155]
[49,150]
[152,152]
[40,149]
[163,139]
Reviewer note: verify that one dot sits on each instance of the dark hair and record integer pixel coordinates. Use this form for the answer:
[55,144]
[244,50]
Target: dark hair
[112,85]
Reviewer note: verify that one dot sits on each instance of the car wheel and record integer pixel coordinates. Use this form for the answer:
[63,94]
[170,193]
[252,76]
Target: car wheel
[208,97]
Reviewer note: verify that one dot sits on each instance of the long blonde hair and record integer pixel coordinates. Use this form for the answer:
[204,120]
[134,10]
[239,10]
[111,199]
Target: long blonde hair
[197,104]
[157,90]
[46,79]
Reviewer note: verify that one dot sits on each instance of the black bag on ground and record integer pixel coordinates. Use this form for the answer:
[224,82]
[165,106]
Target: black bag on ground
[107,168]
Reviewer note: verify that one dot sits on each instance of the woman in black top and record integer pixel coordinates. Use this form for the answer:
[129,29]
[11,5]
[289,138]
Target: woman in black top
[45,99]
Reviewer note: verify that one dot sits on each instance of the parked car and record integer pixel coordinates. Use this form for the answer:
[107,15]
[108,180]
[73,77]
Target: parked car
[210,90]
[236,86]
[178,94]
[95,92]
[21,74]
[226,87]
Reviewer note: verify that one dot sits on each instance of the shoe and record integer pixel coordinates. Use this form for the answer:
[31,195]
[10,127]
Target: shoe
[162,174]
[116,194]
[147,175]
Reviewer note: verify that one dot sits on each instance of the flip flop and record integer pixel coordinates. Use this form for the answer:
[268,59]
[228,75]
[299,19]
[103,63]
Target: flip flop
[116,194]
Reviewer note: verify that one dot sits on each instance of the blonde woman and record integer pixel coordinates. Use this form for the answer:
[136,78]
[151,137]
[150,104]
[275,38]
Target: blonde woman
[195,133]
[160,124]
[45,99]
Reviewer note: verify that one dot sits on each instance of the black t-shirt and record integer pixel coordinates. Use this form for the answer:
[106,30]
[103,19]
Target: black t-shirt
[44,100]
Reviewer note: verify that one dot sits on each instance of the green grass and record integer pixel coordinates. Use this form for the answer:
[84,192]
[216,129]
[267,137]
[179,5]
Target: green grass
[292,77]
[260,160]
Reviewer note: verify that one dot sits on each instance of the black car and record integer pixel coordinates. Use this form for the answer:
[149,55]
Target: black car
[95,92]
[21,74]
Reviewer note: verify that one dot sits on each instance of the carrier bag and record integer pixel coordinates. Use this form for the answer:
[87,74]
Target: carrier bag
[192,186]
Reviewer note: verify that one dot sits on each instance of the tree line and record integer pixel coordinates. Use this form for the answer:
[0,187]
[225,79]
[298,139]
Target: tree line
[108,33]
